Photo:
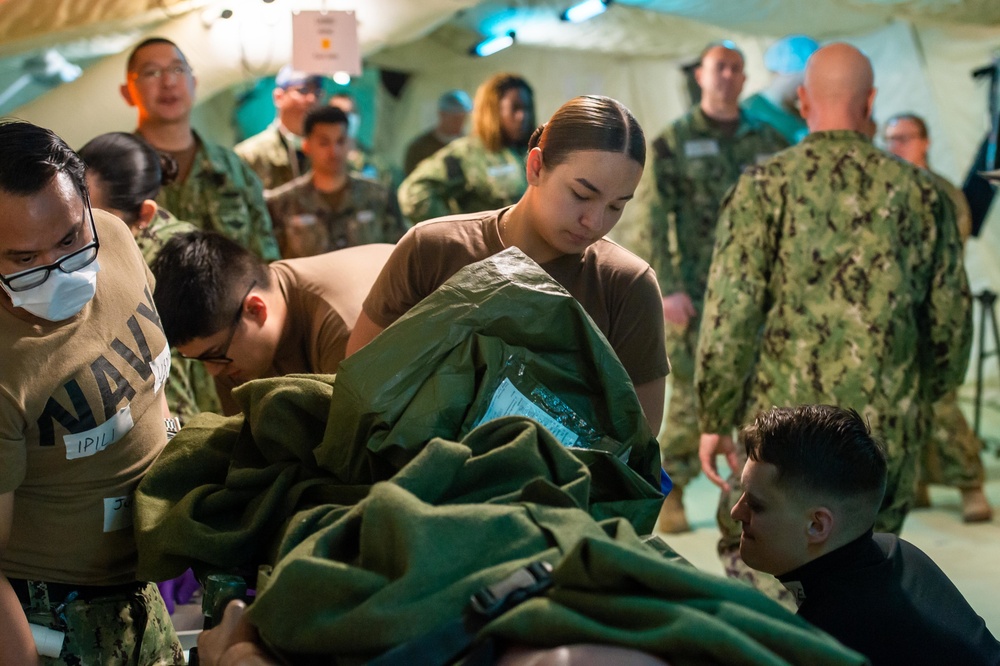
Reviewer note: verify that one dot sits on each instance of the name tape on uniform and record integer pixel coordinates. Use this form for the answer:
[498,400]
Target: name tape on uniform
[95,440]
[161,368]
[117,513]
[701,148]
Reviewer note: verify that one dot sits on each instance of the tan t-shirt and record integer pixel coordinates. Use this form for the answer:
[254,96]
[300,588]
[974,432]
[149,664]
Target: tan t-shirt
[617,289]
[324,295]
[80,423]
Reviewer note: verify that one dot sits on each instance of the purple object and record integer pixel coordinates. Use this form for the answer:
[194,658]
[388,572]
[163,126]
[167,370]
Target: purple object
[178,590]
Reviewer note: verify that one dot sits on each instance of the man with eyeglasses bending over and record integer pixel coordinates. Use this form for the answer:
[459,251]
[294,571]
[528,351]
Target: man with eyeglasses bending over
[81,416]
[245,319]
[214,189]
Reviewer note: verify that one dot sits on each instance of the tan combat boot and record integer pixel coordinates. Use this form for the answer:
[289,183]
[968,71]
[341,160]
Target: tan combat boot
[672,519]
[975,508]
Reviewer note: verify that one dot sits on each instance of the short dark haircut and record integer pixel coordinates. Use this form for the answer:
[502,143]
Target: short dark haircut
[147,42]
[819,449]
[200,278]
[912,117]
[589,122]
[328,115]
[129,169]
[32,156]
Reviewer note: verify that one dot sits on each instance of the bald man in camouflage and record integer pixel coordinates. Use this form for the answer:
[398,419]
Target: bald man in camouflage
[836,279]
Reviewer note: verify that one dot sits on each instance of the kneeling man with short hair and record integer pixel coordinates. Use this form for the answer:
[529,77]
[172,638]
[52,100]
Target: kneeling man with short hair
[813,483]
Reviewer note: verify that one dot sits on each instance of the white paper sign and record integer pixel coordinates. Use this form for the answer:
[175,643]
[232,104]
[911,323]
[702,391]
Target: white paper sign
[117,513]
[325,43]
[161,368]
[95,440]
[508,401]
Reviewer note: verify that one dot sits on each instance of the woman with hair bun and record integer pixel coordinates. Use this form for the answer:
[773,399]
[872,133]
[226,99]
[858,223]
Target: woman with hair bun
[483,170]
[124,175]
[582,168]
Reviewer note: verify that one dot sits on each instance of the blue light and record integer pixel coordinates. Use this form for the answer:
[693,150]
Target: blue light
[490,46]
[585,10]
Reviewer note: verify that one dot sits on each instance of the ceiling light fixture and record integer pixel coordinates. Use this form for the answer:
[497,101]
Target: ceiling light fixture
[583,11]
[491,45]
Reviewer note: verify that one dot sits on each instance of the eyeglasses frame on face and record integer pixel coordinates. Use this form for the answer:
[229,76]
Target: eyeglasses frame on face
[223,358]
[178,69]
[12,282]
[306,89]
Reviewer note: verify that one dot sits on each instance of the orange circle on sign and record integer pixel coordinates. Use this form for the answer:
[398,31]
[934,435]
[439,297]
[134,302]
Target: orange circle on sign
[326,43]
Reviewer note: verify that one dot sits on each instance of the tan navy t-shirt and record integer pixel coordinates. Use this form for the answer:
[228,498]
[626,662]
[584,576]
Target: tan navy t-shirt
[81,422]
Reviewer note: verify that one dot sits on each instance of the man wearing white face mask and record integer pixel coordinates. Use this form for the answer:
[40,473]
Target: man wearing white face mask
[81,414]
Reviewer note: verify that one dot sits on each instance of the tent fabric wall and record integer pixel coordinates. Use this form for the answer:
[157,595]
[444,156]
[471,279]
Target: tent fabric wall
[922,50]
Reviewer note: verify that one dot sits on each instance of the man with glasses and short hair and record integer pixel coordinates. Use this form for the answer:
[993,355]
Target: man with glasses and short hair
[81,414]
[246,320]
[951,454]
[214,189]
[276,154]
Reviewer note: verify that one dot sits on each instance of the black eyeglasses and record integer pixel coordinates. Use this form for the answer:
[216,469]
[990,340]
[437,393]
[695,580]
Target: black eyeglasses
[71,263]
[221,358]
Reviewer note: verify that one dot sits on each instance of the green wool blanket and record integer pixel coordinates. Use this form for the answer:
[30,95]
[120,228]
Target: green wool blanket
[379,500]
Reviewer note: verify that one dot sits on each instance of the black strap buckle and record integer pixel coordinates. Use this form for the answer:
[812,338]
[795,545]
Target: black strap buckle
[526,582]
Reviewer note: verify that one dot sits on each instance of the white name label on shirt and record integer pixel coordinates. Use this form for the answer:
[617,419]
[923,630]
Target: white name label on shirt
[95,440]
[117,513]
[507,401]
[701,148]
[501,170]
[304,220]
[161,368]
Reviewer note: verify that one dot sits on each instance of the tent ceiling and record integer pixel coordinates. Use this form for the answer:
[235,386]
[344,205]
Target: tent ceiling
[27,25]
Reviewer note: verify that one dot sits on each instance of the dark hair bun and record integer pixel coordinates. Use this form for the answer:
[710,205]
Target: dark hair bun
[536,136]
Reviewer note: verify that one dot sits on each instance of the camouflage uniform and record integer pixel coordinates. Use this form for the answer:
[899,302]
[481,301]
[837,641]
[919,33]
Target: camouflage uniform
[694,165]
[951,454]
[306,225]
[270,157]
[365,164]
[222,194]
[189,389]
[463,177]
[126,628]
[837,278]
